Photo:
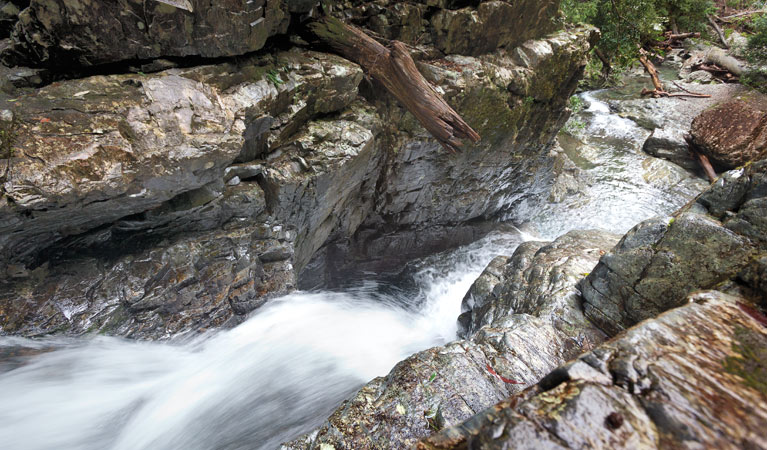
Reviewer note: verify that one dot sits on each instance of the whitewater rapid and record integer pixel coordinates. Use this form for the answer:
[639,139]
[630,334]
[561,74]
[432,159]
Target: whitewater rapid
[275,376]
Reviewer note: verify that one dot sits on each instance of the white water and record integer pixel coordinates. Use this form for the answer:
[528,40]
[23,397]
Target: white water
[284,370]
[273,377]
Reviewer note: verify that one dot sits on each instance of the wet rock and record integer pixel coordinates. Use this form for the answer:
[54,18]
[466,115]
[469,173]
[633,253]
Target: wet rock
[570,180]
[464,28]
[154,290]
[112,168]
[21,77]
[536,325]
[517,123]
[669,144]
[733,133]
[90,152]
[148,201]
[538,280]
[86,33]
[661,260]
[695,375]
[666,113]
[428,200]
[319,183]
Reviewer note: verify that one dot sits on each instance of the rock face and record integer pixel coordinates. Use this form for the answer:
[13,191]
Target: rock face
[452,26]
[208,189]
[127,211]
[431,196]
[694,376]
[529,326]
[660,261]
[51,32]
[733,133]
[87,32]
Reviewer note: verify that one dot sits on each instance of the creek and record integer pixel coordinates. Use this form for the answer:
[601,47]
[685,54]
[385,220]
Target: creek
[285,369]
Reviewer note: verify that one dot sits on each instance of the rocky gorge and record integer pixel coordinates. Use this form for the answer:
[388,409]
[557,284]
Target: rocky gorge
[202,176]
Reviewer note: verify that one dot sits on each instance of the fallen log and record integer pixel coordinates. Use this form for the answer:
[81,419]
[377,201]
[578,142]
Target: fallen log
[674,38]
[659,91]
[394,68]
[743,14]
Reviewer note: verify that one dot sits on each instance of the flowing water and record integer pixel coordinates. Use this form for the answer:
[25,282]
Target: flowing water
[621,185]
[278,374]
[285,369]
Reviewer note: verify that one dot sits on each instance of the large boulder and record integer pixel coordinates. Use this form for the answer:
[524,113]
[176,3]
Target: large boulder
[695,376]
[733,133]
[535,325]
[93,151]
[87,32]
[659,262]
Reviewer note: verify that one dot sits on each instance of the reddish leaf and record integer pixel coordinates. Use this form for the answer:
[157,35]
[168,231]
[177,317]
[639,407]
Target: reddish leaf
[754,313]
[504,379]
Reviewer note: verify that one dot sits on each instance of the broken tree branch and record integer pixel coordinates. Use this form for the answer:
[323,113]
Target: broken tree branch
[659,91]
[702,159]
[718,30]
[395,69]
[742,14]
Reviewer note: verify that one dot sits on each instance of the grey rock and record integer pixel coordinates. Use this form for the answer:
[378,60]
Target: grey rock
[665,112]
[669,144]
[662,260]
[538,280]
[90,152]
[113,168]
[421,184]
[466,28]
[699,76]
[678,381]
[51,32]
[445,385]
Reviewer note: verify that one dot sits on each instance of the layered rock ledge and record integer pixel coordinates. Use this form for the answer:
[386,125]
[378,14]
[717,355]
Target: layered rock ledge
[145,205]
[692,377]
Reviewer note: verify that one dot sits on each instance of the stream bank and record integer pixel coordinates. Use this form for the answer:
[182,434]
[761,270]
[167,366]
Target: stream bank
[187,205]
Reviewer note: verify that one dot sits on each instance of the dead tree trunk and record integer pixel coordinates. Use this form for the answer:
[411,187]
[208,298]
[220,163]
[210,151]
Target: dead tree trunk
[702,159]
[718,30]
[659,91]
[395,69]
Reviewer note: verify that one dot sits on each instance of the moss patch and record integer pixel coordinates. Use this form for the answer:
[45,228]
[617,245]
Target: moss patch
[751,362]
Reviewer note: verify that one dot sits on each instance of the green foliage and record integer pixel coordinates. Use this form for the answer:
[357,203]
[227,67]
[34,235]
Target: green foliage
[576,104]
[689,15]
[627,25]
[756,78]
[757,42]
[574,125]
[274,77]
